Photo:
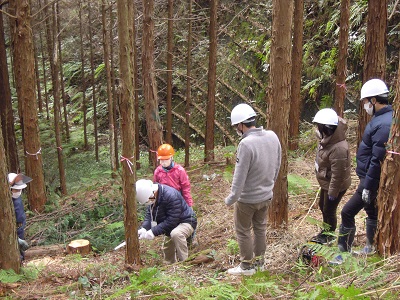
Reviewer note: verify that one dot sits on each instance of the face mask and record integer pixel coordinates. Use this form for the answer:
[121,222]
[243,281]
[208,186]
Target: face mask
[318,134]
[165,162]
[16,194]
[369,109]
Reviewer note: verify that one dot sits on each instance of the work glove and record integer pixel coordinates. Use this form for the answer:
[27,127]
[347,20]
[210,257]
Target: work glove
[366,197]
[23,245]
[149,235]
[331,198]
[141,233]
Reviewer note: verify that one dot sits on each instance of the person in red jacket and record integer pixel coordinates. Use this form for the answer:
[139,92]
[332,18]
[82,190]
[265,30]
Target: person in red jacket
[171,173]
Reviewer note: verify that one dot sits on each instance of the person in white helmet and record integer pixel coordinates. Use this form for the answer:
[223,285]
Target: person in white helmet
[332,169]
[258,160]
[167,214]
[370,155]
[17,184]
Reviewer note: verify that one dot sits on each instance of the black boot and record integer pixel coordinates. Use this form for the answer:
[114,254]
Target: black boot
[346,238]
[369,248]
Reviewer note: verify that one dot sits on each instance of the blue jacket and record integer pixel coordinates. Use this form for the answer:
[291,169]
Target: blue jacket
[20,216]
[169,210]
[371,151]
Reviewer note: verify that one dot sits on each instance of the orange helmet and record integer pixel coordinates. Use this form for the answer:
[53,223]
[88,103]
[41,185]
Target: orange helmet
[165,151]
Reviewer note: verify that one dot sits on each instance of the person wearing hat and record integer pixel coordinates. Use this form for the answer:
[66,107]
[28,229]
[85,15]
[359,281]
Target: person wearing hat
[17,184]
[167,214]
[258,160]
[171,173]
[332,169]
[370,155]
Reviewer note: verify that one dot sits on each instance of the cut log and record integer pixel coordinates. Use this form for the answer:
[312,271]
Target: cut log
[79,246]
[40,251]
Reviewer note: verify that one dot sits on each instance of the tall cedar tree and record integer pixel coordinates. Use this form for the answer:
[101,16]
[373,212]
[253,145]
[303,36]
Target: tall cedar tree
[132,252]
[279,101]
[341,66]
[212,83]
[154,129]
[297,60]
[6,112]
[188,84]
[9,253]
[375,52]
[388,233]
[24,69]
[170,45]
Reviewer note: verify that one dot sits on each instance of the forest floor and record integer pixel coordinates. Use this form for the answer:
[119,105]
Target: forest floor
[97,276]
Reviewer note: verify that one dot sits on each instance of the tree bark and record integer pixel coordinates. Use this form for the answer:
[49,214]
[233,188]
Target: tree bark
[24,67]
[132,251]
[188,85]
[6,111]
[170,45]
[297,63]
[388,201]
[153,123]
[279,102]
[375,52]
[212,79]
[340,88]
[9,253]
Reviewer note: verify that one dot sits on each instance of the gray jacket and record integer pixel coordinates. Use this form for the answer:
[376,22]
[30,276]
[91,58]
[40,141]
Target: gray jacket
[258,160]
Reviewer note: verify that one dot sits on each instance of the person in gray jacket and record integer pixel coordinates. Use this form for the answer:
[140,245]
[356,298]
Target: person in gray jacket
[258,160]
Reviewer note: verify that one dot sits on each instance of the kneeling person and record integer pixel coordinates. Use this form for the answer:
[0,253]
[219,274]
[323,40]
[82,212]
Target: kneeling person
[167,214]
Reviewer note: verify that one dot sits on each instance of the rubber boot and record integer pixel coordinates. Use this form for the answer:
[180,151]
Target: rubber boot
[346,238]
[369,248]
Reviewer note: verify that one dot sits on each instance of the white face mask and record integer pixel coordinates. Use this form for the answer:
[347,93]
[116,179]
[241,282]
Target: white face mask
[318,134]
[239,133]
[369,109]
[165,162]
[16,194]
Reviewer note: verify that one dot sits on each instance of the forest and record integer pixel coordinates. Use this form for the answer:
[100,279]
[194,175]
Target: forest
[90,89]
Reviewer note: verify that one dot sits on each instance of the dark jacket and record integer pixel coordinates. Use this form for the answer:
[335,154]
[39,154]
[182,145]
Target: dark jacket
[169,210]
[333,161]
[20,216]
[372,150]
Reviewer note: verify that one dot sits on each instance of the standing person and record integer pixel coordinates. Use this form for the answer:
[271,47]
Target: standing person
[370,155]
[258,160]
[332,169]
[171,173]
[17,184]
[167,214]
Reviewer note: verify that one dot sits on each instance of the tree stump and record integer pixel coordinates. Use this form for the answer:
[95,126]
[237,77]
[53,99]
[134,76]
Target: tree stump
[79,246]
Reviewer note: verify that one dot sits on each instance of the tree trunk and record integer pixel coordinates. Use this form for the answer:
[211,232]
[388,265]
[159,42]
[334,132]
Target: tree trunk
[132,251]
[136,88]
[212,79]
[297,63]
[279,102]
[170,45]
[44,68]
[24,67]
[188,85]
[9,253]
[388,201]
[6,112]
[111,122]
[83,83]
[375,52]
[95,130]
[341,66]
[154,129]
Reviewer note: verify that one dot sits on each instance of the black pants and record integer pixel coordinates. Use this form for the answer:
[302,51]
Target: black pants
[328,209]
[355,204]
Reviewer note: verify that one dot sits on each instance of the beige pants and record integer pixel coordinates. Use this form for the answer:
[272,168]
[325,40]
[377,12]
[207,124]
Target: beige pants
[247,217]
[176,246]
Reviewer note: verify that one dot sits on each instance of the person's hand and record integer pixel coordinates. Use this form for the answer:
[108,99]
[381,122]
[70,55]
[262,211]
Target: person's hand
[149,235]
[331,198]
[141,233]
[23,245]
[365,196]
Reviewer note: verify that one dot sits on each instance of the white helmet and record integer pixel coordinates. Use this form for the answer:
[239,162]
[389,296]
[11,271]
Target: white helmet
[326,116]
[374,87]
[144,189]
[18,181]
[242,112]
